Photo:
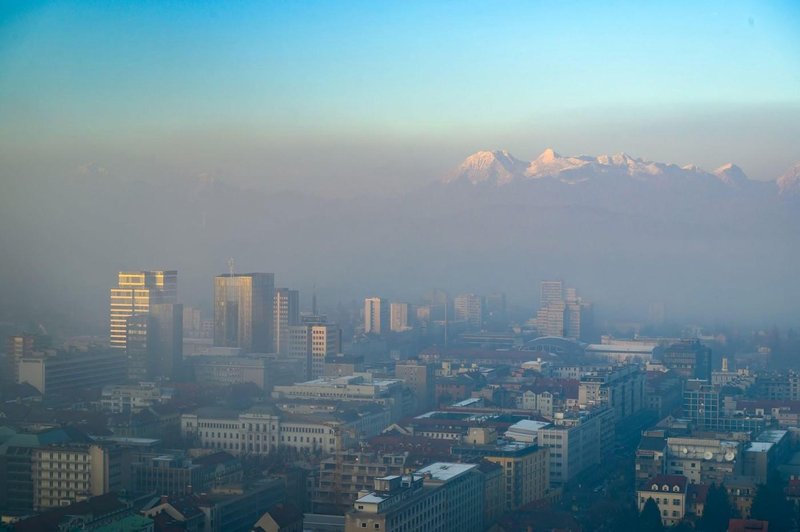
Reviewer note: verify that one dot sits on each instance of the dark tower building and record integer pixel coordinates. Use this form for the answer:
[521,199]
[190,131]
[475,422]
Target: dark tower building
[243,311]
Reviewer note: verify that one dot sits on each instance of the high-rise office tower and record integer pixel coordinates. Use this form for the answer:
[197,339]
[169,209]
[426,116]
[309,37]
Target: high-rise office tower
[376,315]
[469,308]
[243,311]
[286,313]
[134,293]
[550,320]
[579,320]
[155,343]
[399,317]
[313,342]
[550,292]
[167,338]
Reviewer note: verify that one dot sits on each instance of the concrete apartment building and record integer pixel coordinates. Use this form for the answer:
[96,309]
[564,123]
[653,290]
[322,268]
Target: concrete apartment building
[66,473]
[442,496]
[346,473]
[577,440]
[286,313]
[469,308]
[313,343]
[525,465]
[399,317]
[703,459]
[622,388]
[421,379]
[376,315]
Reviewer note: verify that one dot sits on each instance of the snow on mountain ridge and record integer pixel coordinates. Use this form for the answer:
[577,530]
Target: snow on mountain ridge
[498,166]
[501,168]
[789,182]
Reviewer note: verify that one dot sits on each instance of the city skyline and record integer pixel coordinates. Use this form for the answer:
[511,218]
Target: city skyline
[521,265]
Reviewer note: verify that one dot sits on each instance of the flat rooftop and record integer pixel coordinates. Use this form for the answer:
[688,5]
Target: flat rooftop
[445,470]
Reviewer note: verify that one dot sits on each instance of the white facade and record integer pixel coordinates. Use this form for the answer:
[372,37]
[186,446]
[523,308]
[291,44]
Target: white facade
[469,308]
[577,443]
[376,315]
[398,317]
[120,398]
[66,474]
[312,344]
[258,432]
[286,313]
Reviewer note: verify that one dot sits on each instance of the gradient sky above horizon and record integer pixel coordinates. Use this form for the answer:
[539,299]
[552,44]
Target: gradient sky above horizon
[347,94]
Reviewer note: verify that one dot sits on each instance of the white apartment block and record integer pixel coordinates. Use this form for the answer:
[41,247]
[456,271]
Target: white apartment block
[64,474]
[577,441]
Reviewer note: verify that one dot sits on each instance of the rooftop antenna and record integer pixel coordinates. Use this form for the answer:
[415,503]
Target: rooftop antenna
[314,300]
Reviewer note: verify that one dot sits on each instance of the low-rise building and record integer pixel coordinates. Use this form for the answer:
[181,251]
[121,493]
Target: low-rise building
[178,475]
[346,473]
[262,429]
[133,398]
[231,508]
[703,460]
[212,370]
[65,372]
[362,387]
[442,496]
[651,457]
[669,493]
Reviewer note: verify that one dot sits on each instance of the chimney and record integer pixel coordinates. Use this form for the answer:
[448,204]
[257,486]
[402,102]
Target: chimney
[725,364]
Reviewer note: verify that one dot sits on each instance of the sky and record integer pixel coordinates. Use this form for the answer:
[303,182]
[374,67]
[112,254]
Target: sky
[348,97]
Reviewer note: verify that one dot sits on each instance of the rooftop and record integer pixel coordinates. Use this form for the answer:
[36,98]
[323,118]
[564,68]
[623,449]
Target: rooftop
[528,425]
[445,471]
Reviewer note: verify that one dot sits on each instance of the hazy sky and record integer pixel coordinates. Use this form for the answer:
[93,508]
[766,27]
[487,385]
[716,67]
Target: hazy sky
[385,95]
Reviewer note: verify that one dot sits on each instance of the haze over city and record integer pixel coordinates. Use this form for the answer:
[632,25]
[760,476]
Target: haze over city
[435,241]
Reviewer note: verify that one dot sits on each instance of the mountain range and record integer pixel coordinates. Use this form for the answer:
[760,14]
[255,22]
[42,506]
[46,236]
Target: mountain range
[624,231]
[500,168]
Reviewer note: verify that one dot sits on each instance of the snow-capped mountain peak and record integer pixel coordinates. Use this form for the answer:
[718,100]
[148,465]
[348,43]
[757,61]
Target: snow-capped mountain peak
[789,182]
[501,168]
[497,166]
[730,174]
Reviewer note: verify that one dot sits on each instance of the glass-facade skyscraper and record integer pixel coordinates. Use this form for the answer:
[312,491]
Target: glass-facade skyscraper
[133,295]
[243,311]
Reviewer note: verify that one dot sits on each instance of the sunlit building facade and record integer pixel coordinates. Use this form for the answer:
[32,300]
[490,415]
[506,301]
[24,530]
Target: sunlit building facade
[243,311]
[133,295]
[376,315]
[286,312]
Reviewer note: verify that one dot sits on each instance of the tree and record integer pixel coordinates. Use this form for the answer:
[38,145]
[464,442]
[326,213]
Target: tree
[717,511]
[650,518]
[770,504]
